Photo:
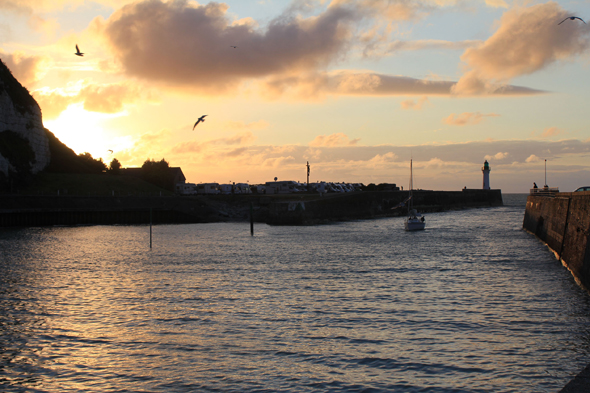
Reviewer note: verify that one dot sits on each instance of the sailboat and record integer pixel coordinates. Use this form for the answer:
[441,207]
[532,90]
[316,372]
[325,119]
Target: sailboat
[414,221]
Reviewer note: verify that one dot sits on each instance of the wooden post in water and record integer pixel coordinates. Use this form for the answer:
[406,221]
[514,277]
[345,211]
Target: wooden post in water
[150,227]
[251,219]
[308,176]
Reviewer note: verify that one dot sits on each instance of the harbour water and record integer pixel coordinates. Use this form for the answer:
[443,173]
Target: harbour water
[471,304]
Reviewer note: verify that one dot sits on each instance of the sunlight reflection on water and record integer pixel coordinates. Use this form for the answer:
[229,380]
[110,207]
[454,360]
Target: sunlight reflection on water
[473,304]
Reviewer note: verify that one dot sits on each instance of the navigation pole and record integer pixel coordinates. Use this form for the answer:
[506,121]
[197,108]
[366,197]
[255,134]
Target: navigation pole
[307,175]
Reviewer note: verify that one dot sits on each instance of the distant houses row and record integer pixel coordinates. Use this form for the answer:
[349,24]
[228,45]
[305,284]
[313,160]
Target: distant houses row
[176,177]
[270,187]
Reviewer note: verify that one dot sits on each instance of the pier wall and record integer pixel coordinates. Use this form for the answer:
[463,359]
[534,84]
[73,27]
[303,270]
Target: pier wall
[287,209]
[376,204]
[563,223]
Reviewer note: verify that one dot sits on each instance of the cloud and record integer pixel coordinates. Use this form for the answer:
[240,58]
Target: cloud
[551,131]
[497,3]
[109,98]
[380,159]
[17,6]
[498,156]
[186,45]
[397,45]
[338,139]
[26,69]
[46,26]
[278,162]
[467,154]
[528,40]
[104,98]
[364,83]
[466,118]
[390,10]
[30,6]
[448,166]
[240,125]
[532,158]
[242,138]
[416,105]
[236,152]
[397,10]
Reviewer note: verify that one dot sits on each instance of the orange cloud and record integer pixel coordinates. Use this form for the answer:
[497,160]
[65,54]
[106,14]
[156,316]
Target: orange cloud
[498,156]
[26,69]
[338,139]
[107,98]
[240,125]
[381,159]
[551,131]
[528,40]
[236,152]
[17,6]
[242,138]
[278,162]
[416,105]
[28,6]
[466,118]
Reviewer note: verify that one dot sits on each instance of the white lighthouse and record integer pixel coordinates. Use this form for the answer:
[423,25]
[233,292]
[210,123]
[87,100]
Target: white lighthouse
[486,175]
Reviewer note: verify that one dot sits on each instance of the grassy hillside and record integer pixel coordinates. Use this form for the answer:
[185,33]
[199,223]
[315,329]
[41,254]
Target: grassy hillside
[90,184]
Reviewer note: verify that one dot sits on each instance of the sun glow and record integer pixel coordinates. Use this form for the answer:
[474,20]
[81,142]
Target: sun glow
[83,131]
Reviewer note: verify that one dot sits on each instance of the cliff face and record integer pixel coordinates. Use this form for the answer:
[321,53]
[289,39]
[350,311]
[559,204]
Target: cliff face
[20,120]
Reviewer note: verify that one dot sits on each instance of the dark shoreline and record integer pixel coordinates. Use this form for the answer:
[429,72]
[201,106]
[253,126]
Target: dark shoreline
[282,209]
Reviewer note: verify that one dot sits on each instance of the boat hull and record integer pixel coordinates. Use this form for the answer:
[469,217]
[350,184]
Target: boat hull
[414,224]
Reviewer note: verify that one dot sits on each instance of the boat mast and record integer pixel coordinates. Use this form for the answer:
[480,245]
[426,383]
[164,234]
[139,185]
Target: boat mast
[411,183]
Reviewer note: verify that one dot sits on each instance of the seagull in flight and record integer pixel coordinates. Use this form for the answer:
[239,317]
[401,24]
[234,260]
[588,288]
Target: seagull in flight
[202,118]
[78,53]
[110,151]
[571,18]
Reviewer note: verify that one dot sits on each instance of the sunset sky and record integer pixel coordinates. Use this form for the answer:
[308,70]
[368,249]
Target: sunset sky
[357,88]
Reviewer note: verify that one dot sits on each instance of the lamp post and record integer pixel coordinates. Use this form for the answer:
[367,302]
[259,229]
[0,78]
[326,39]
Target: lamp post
[545,173]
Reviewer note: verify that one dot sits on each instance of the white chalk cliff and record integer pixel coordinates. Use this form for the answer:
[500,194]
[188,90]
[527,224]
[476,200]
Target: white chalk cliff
[21,114]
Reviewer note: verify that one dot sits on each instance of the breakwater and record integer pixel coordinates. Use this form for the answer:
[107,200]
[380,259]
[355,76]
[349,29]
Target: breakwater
[562,221]
[377,204]
[287,209]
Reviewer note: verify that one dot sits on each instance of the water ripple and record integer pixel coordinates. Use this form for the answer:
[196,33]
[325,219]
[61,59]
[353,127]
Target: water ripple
[472,304]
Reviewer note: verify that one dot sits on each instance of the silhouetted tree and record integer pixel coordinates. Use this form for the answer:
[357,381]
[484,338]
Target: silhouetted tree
[96,166]
[158,173]
[114,167]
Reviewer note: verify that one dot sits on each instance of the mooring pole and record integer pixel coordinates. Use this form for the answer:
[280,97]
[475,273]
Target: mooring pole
[307,175]
[251,219]
[150,227]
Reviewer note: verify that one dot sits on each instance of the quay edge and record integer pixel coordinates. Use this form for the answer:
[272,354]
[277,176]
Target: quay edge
[562,221]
